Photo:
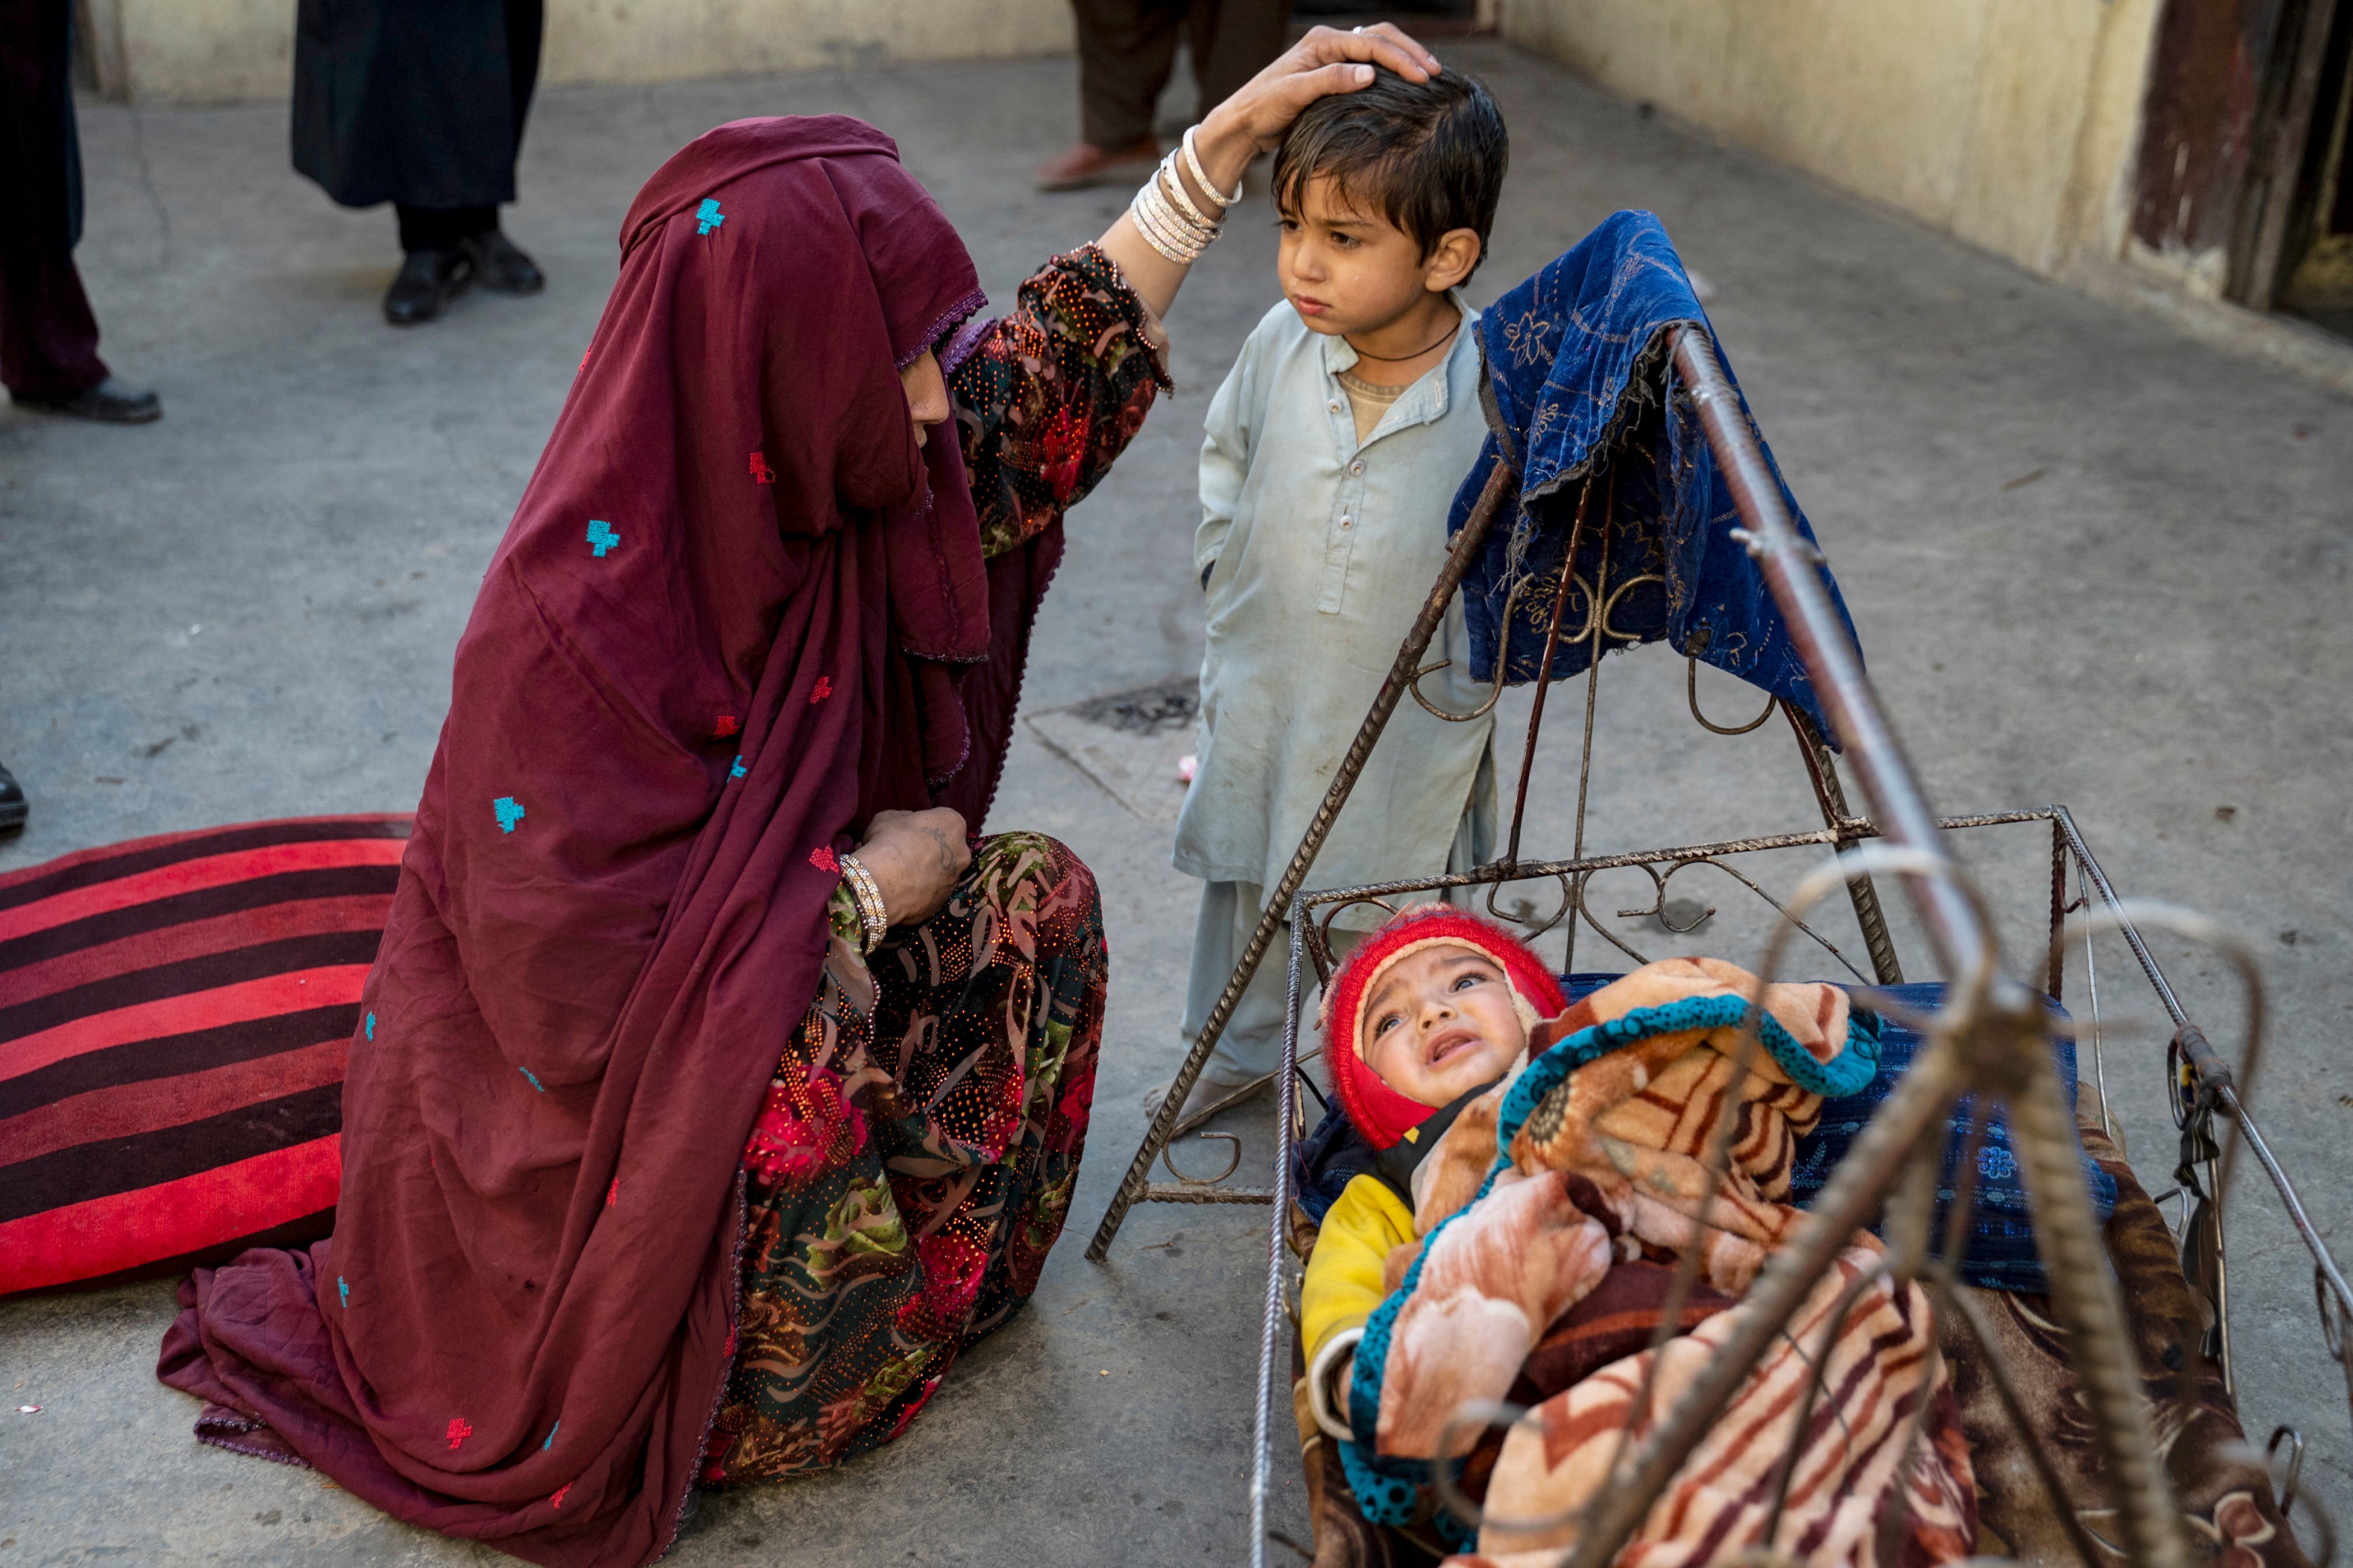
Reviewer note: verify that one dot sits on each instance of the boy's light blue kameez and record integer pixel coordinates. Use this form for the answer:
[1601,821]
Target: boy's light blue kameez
[1319,552]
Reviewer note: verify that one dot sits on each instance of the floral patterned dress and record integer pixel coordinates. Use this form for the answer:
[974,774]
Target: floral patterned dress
[915,1159]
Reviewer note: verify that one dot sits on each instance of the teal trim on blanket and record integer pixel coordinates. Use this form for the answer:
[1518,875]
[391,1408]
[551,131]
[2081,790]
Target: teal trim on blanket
[1845,1073]
[1383,1498]
[1371,1359]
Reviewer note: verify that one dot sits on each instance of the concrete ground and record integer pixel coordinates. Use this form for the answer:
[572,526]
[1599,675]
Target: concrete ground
[2091,561]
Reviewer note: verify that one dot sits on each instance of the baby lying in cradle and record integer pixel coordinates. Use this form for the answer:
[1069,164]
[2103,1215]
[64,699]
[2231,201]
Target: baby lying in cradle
[1539,1168]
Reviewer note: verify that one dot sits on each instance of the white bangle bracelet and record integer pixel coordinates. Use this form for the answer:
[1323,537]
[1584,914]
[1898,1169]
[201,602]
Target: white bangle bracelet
[1193,161]
[1166,229]
[1169,249]
[1192,230]
[1156,227]
[1170,201]
[1183,198]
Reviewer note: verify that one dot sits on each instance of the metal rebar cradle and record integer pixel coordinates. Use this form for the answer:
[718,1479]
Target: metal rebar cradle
[1989,1040]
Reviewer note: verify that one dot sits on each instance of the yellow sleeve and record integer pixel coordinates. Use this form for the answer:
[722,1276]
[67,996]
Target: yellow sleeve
[1343,1273]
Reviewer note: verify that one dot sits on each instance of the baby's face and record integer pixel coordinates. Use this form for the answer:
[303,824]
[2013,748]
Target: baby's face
[1441,1023]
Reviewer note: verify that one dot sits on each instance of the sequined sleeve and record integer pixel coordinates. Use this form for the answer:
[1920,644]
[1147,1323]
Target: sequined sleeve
[1049,394]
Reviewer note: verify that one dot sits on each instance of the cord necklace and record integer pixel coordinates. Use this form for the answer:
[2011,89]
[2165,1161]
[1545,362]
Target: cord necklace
[1400,359]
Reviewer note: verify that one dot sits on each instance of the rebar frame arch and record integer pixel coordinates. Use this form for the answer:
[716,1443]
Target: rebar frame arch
[2000,1040]
[2001,1048]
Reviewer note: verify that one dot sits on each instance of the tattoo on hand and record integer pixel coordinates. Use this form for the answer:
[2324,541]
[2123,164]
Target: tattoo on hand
[947,853]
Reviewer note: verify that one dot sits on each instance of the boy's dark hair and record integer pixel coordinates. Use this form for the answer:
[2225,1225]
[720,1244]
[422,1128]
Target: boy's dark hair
[1427,158]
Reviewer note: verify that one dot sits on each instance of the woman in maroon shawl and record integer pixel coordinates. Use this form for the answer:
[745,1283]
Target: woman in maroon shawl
[652,1172]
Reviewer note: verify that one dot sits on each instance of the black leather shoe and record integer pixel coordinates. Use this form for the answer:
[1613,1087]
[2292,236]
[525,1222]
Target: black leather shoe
[14,808]
[428,281]
[111,402]
[497,265]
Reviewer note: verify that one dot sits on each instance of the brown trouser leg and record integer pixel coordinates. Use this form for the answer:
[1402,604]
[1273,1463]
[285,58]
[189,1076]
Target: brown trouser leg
[48,338]
[1232,41]
[1125,51]
[1127,47]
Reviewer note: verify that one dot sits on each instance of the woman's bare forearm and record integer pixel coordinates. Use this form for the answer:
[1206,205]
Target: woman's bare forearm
[1251,121]
[1226,150]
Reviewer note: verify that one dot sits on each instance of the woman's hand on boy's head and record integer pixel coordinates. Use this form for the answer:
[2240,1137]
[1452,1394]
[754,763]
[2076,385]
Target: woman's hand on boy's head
[1251,121]
[1325,61]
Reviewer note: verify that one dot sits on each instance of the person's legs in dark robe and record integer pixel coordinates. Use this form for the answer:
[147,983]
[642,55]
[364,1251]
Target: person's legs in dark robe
[497,263]
[449,249]
[48,338]
[1127,50]
[446,250]
[442,228]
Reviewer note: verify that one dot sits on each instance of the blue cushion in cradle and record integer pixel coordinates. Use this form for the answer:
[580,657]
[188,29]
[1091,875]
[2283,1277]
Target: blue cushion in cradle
[2000,1250]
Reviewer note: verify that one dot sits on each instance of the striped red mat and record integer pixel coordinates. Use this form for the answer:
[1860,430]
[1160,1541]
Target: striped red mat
[175,1014]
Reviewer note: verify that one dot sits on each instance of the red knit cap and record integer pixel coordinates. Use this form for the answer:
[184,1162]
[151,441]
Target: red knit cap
[1380,1113]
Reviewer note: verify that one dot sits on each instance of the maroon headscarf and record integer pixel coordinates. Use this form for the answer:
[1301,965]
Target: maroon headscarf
[722,632]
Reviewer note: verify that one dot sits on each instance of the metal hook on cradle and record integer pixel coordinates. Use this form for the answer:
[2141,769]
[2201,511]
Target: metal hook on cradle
[1691,695]
[1534,928]
[1503,658]
[1234,1159]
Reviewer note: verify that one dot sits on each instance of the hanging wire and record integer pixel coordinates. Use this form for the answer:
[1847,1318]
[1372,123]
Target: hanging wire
[2092,987]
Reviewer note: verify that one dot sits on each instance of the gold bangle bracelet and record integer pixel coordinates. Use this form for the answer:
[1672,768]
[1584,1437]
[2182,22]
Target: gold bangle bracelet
[867,895]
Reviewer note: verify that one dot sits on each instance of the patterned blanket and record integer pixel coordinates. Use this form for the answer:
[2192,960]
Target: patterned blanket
[1971,1486]
[1593,1160]
[1881,1379]
[2217,1479]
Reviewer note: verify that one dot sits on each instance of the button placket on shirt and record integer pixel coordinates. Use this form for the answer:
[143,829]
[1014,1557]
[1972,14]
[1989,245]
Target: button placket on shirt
[1420,405]
[1349,497]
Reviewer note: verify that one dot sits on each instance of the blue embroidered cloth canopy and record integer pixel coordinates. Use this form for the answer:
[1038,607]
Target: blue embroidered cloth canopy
[1580,382]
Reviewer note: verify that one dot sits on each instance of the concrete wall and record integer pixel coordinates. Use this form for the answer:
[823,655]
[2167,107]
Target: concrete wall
[2010,123]
[197,51]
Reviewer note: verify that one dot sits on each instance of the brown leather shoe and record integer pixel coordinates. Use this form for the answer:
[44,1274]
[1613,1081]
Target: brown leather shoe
[1087,165]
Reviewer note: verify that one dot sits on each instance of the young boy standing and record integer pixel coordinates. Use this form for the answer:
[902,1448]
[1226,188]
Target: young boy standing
[1333,450]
